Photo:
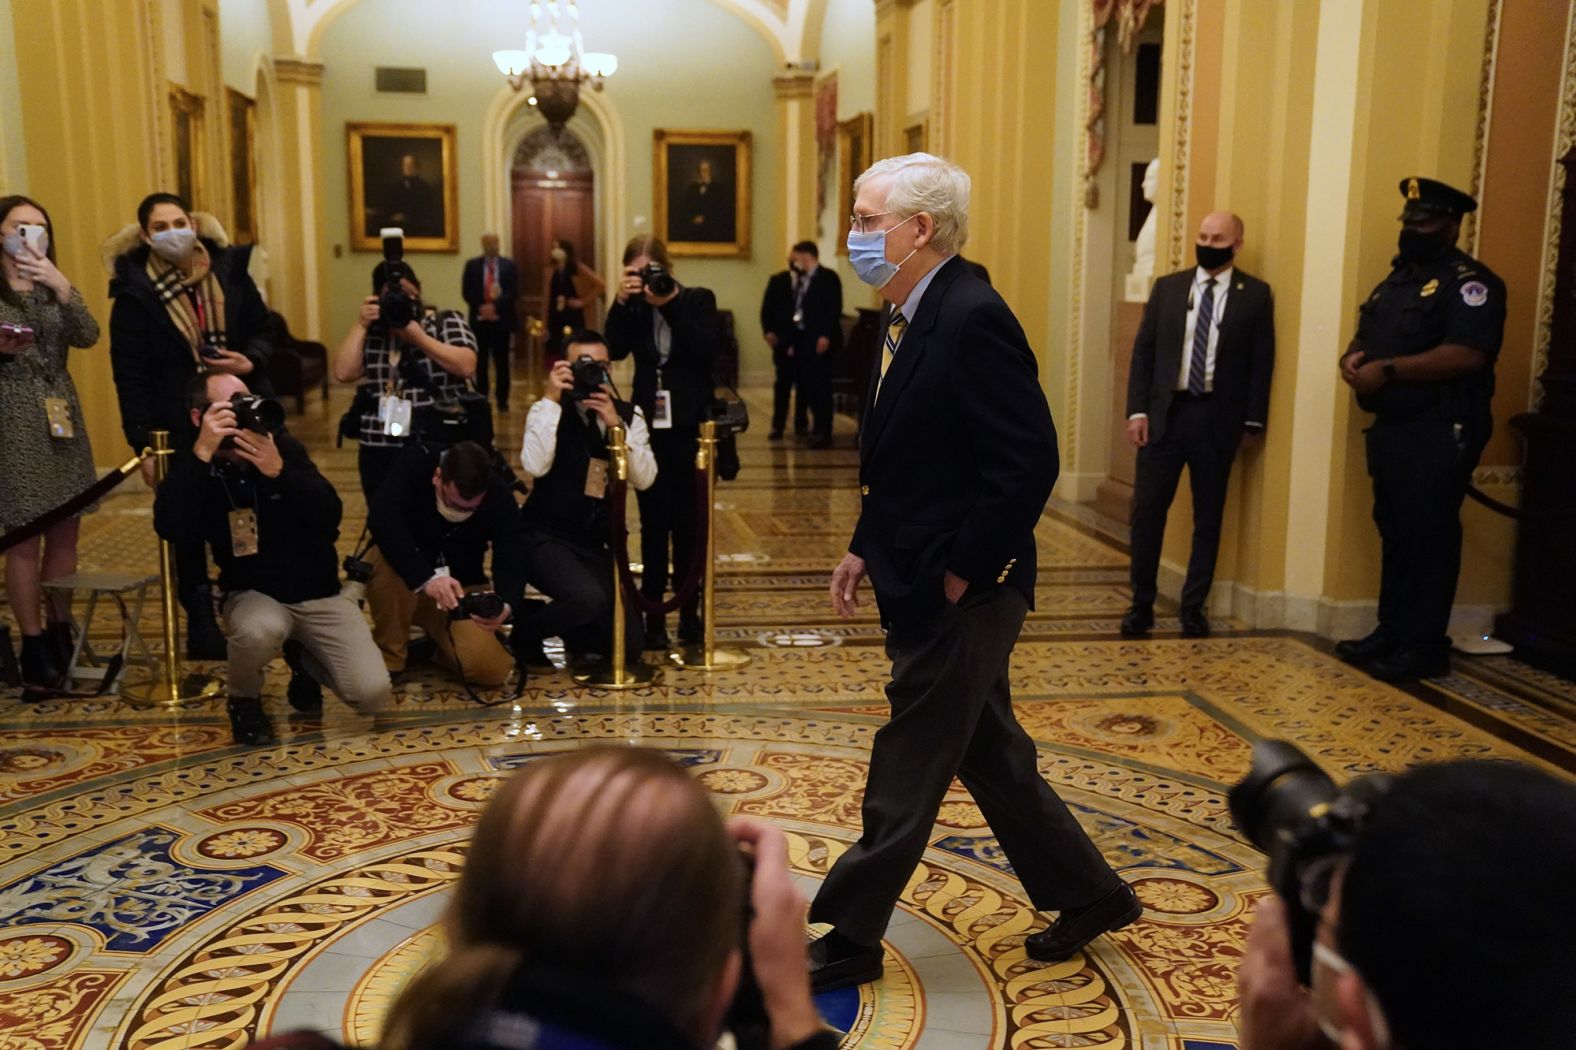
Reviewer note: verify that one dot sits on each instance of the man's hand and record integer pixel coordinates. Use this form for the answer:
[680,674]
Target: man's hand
[602,404]
[1368,378]
[487,312]
[1277,1013]
[776,935]
[823,344]
[493,624]
[413,333]
[218,423]
[1350,364]
[260,451]
[445,591]
[954,586]
[1252,437]
[771,339]
[632,284]
[369,313]
[1138,431]
[845,585]
[559,379]
[230,362]
[147,469]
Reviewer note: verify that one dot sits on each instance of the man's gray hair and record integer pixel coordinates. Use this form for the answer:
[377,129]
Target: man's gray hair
[925,183]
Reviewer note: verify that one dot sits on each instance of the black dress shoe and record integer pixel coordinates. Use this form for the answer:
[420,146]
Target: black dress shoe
[528,651]
[775,435]
[1077,927]
[1370,647]
[1408,665]
[691,631]
[1194,623]
[248,724]
[838,963]
[658,641]
[1137,622]
[304,692]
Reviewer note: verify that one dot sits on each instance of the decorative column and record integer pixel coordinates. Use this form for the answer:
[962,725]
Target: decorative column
[796,146]
[297,234]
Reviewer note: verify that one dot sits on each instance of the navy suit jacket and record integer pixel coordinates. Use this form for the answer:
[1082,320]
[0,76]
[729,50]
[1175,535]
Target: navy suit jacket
[508,290]
[957,455]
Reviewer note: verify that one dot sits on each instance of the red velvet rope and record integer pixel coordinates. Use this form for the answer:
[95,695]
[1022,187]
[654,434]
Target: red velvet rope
[620,544]
[92,494]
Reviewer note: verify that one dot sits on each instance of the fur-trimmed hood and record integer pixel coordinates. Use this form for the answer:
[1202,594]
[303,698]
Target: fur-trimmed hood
[129,238]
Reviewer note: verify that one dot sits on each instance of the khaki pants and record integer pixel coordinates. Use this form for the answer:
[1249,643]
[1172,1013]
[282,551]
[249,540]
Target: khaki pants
[333,632]
[477,656]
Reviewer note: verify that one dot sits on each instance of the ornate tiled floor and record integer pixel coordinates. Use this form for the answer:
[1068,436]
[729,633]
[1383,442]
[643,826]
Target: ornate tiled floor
[162,888]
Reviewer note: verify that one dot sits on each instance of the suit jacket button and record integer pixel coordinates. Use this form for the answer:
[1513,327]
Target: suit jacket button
[1002,578]
[864,490]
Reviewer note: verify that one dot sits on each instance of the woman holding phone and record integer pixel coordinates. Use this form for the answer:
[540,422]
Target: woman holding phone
[43,440]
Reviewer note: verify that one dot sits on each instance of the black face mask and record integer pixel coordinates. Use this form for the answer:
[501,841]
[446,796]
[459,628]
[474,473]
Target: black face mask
[793,267]
[1419,245]
[1212,258]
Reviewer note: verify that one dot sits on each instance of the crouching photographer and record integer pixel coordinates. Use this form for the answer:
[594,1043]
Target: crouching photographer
[409,362]
[1404,905]
[567,515]
[432,521]
[253,495]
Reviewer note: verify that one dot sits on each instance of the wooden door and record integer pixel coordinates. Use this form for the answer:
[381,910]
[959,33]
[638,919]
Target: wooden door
[548,206]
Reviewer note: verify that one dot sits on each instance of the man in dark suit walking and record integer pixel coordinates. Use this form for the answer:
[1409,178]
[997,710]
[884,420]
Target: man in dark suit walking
[802,316]
[957,458]
[491,284]
[1199,389]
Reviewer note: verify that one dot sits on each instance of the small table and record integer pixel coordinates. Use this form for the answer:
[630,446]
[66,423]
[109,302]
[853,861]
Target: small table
[85,663]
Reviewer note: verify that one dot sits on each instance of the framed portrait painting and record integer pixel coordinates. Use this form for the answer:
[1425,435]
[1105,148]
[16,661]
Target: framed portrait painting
[403,175]
[854,147]
[701,195]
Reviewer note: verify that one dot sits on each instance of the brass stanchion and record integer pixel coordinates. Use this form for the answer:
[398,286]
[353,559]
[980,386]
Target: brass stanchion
[172,689]
[617,675]
[706,656]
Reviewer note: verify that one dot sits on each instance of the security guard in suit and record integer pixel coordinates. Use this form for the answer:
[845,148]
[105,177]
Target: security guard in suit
[1423,363]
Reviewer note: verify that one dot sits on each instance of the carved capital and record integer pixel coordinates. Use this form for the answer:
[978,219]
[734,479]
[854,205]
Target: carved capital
[794,86]
[288,69]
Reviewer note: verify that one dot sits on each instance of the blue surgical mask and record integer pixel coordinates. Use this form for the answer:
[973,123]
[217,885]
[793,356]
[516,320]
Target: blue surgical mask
[867,255]
[174,245]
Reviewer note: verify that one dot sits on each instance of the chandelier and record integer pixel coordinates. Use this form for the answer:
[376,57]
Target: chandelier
[555,62]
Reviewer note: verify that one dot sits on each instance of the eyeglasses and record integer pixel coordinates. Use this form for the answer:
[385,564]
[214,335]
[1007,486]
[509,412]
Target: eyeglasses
[861,223]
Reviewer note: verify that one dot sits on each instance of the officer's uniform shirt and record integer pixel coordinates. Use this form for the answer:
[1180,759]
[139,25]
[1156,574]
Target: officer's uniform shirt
[1421,305]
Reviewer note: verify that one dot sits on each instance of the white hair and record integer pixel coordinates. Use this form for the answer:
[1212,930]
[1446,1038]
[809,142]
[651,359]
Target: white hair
[925,183]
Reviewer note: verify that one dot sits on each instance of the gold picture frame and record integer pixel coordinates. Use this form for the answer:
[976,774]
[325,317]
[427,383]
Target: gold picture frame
[403,175]
[701,192]
[854,150]
[243,166]
[916,136]
[188,130]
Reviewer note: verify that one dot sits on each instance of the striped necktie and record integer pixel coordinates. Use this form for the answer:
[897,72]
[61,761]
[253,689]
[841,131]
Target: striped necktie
[894,335]
[1201,327]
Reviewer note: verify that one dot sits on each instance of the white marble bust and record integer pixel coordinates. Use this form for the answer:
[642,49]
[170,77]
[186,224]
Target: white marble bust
[1137,289]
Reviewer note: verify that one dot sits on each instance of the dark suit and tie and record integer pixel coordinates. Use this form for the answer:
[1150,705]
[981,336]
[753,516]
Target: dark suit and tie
[1201,377]
[496,280]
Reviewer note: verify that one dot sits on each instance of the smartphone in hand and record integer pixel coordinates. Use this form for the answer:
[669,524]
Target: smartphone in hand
[19,332]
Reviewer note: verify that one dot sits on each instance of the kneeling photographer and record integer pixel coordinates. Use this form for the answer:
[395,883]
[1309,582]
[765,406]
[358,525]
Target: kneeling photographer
[1404,905]
[252,493]
[672,332]
[410,362]
[567,515]
[432,520]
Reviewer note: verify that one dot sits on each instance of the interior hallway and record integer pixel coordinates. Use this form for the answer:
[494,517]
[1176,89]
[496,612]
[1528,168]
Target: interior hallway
[161,887]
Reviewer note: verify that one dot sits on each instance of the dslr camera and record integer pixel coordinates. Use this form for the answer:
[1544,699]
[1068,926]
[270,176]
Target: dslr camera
[656,278]
[260,415]
[396,309]
[589,375]
[478,605]
[1293,812]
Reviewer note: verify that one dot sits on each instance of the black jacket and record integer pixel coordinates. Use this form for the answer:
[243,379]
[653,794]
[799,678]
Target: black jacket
[1244,355]
[957,453]
[151,359]
[297,521]
[696,332]
[473,288]
[415,539]
[823,311]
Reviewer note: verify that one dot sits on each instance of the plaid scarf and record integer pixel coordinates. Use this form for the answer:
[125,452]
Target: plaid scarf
[195,303]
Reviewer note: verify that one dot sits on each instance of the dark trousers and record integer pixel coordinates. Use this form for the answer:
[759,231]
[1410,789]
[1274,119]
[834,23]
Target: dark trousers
[579,581]
[1420,471]
[783,389]
[373,463]
[814,372]
[952,716]
[492,342]
[1189,440]
[667,514]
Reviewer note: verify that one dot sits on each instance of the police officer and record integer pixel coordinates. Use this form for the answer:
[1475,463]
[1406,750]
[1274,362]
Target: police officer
[1423,363]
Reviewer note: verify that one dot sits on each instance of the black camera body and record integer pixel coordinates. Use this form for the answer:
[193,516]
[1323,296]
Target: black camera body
[589,376]
[396,309]
[657,280]
[260,415]
[356,569]
[1293,812]
[478,605]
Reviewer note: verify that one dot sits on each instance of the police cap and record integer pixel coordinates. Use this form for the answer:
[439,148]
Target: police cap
[1428,198]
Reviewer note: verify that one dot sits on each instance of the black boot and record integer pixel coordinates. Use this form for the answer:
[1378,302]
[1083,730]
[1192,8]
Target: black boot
[248,724]
[204,639]
[304,692]
[656,633]
[62,640]
[691,630]
[10,670]
[39,664]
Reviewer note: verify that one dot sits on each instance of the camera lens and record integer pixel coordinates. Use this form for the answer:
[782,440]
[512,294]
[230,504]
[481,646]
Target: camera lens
[1282,789]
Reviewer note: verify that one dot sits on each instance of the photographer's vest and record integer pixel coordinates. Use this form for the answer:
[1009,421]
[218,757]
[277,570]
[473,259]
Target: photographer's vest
[558,502]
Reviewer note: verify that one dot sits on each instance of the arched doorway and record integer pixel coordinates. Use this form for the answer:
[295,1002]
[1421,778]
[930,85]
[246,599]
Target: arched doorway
[552,194]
